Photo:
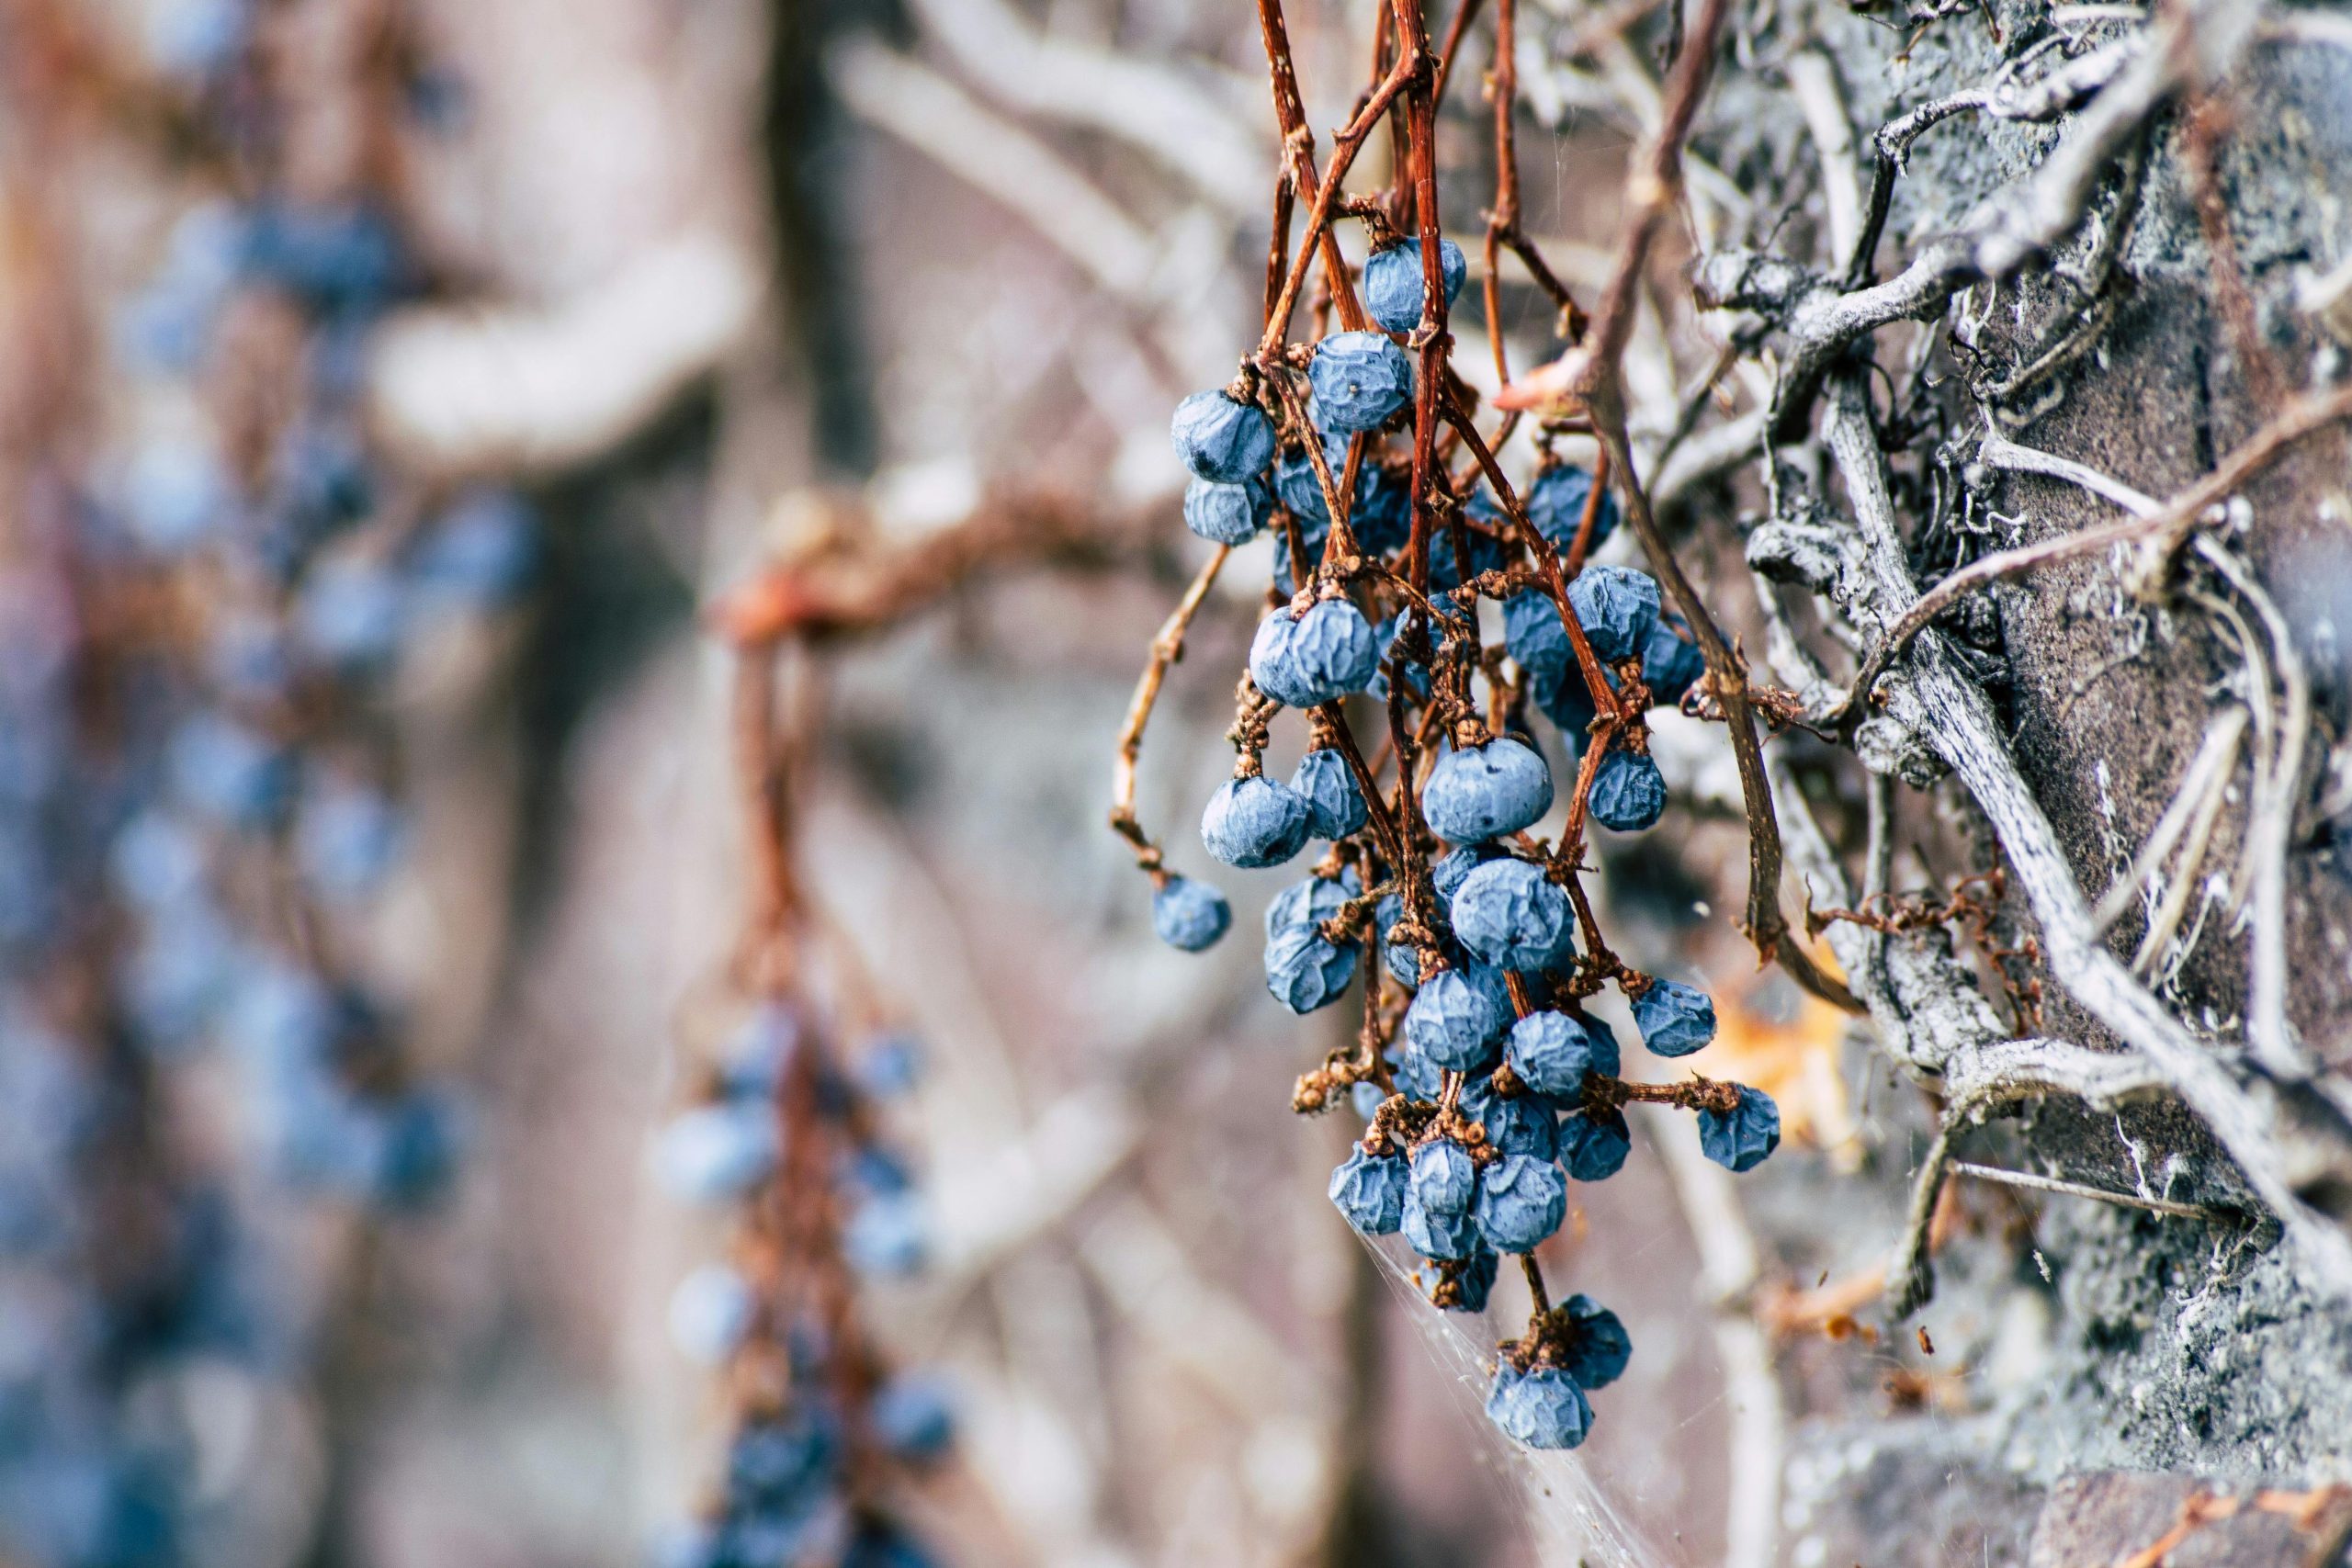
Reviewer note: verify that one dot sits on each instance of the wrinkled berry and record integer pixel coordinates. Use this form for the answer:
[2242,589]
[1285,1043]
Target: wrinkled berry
[1448,1238]
[1335,806]
[1487,791]
[1450,870]
[1522,1200]
[1226,514]
[1221,440]
[1552,1053]
[1320,657]
[1598,1347]
[1359,378]
[1447,570]
[1403,959]
[1370,1192]
[1533,632]
[1542,1408]
[1454,1022]
[1671,663]
[1311,902]
[1675,1019]
[1616,606]
[1444,1177]
[1628,791]
[1593,1145]
[1364,1098]
[1474,1281]
[1555,503]
[1307,970]
[1512,916]
[1392,282]
[1188,914]
[1254,822]
[1741,1140]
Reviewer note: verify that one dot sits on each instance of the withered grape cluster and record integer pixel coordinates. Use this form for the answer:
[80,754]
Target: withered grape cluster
[1484,1084]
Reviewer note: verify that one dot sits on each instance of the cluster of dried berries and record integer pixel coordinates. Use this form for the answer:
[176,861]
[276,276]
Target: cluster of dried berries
[207,583]
[1487,1086]
[792,1136]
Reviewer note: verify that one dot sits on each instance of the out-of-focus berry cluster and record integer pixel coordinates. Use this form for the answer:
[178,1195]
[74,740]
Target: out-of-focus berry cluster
[1484,1084]
[209,587]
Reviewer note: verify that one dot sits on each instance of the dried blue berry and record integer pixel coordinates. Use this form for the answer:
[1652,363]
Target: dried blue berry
[1221,439]
[1448,1238]
[1555,503]
[1327,785]
[1254,822]
[1512,916]
[711,1313]
[1522,1200]
[1473,1280]
[1226,514]
[1365,1099]
[1359,378]
[1415,1074]
[1444,1177]
[887,1235]
[1320,657]
[1628,791]
[1311,902]
[1607,1060]
[1552,1053]
[1447,569]
[1369,1192]
[1542,1408]
[1380,514]
[1450,870]
[1392,282]
[1189,915]
[1671,663]
[1305,969]
[716,1154]
[1616,606]
[1597,1348]
[1741,1139]
[1524,1123]
[1454,1022]
[1593,1145]
[1675,1019]
[1403,959]
[1487,791]
[1533,632]
[1568,703]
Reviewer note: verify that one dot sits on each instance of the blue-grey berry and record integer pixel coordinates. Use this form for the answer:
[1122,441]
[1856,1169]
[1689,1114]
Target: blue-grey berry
[1226,514]
[1359,378]
[1365,1099]
[1188,914]
[1320,657]
[1487,791]
[1533,632]
[1628,791]
[1522,1200]
[1454,1022]
[1415,1074]
[1392,282]
[1568,703]
[1448,1238]
[1311,902]
[1327,785]
[1444,1177]
[1741,1139]
[1403,959]
[1671,663]
[1598,1347]
[1542,1408]
[1675,1019]
[1307,970]
[1552,1053]
[1607,1060]
[1555,503]
[1221,439]
[1370,1192]
[1522,1125]
[1254,822]
[1593,1145]
[1512,916]
[1449,870]
[1474,1281]
[1448,571]
[1616,606]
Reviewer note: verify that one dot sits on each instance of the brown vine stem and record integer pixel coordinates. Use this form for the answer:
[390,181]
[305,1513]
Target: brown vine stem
[1589,379]
[1166,649]
[2303,417]
[1299,154]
